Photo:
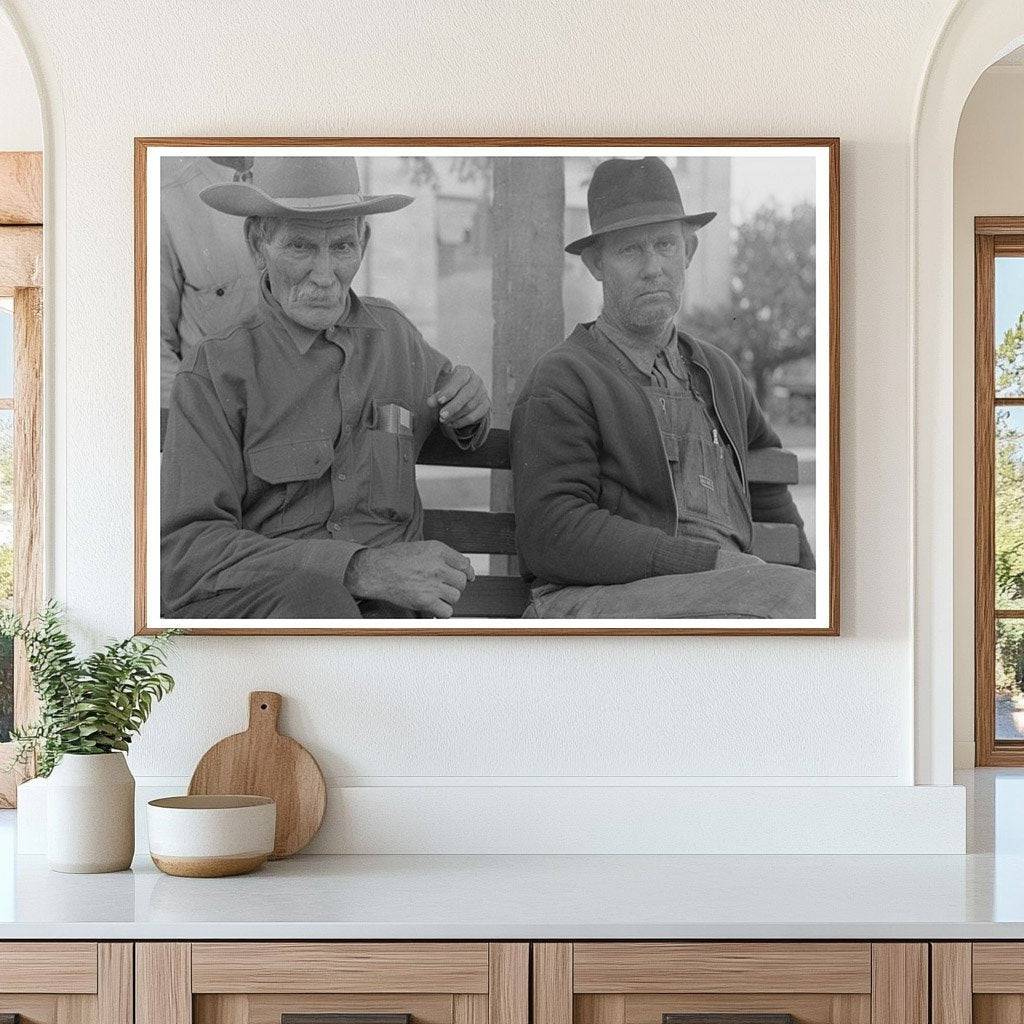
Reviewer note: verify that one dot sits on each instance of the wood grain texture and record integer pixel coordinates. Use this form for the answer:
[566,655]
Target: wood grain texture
[115,983]
[633,967]
[270,1008]
[163,983]
[76,1009]
[28,501]
[831,144]
[21,258]
[997,967]
[997,1009]
[339,967]
[508,993]
[951,983]
[224,1009]
[851,1009]
[31,1009]
[262,762]
[466,1009]
[28,483]
[552,983]
[899,988]
[48,967]
[599,1009]
[21,188]
[808,1008]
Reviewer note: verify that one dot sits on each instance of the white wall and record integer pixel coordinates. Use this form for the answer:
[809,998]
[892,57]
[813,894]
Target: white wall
[988,181]
[21,125]
[489,712]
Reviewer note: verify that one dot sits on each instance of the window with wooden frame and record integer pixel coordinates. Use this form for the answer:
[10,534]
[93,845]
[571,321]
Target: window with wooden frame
[21,365]
[999,490]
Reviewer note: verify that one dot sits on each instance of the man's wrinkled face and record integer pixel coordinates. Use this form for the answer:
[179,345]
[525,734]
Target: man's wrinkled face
[642,271]
[310,264]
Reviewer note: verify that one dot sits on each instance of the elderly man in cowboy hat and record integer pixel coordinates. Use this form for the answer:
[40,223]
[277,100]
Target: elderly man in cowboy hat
[630,440]
[288,483]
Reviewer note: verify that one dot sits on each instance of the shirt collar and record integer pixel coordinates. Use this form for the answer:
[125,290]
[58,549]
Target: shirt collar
[642,358]
[357,316]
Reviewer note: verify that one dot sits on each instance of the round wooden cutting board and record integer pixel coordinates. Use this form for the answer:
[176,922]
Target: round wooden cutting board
[262,762]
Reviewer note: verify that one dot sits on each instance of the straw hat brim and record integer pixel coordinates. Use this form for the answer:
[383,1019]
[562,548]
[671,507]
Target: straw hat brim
[695,220]
[240,199]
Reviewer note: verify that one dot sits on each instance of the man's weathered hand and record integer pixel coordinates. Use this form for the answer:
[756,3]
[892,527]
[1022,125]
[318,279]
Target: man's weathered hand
[462,400]
[426,576]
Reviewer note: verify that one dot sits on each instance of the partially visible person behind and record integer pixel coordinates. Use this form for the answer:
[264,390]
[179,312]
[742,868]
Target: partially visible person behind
[630,440]
[207,277]
[288,486]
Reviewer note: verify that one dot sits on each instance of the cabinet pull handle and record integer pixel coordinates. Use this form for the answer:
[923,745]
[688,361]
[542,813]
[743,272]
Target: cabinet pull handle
[339,1018]
[728,1018]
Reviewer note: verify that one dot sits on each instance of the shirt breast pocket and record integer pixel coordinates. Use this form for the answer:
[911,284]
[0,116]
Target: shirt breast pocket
[392,474]
[298,475]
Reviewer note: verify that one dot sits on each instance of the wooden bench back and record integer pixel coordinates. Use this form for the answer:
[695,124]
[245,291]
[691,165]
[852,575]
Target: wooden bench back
[494,533]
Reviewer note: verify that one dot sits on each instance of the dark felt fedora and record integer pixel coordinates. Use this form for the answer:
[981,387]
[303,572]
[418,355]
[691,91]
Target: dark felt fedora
[629,193]
[297,186]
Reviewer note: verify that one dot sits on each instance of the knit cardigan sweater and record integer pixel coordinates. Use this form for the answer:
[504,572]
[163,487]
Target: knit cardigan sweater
[593,492]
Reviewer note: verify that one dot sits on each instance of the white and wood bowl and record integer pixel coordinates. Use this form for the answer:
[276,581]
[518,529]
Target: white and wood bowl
[211,836]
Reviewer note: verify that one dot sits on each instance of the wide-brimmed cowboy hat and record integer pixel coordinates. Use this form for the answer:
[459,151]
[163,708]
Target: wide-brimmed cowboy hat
[630,193]
[299,186]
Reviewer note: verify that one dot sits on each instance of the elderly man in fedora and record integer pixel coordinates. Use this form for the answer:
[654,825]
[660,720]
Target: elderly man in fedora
[288,484]
[630,439]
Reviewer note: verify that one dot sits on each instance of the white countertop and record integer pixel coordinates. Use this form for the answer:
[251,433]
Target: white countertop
[977,896]
[532,897]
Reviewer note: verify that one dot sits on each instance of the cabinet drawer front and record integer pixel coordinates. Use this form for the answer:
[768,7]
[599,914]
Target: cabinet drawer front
[998,967]
[339,967]
[48,967]
[721,967]
[263,1008]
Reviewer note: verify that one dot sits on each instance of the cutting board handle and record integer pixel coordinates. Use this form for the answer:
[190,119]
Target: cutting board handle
[264,710]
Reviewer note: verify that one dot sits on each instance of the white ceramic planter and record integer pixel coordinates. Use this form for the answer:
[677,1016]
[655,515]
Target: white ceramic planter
[90,814]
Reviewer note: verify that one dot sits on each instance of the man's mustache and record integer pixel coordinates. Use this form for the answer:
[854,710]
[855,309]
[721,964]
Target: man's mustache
[316,296]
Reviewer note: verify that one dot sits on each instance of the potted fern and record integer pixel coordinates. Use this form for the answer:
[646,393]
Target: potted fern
[89,709]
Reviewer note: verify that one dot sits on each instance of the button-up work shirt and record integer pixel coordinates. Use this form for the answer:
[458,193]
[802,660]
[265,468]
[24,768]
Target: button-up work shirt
[208,281]
[711,501]
[288,448]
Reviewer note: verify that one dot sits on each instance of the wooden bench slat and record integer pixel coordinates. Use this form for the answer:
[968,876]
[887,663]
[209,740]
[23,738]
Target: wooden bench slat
[490,597]
[473,533]
[437,450]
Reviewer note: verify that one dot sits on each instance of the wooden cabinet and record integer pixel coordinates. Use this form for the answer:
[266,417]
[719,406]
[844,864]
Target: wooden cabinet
[650,982]
[261,982]
[980,982]
[66,982]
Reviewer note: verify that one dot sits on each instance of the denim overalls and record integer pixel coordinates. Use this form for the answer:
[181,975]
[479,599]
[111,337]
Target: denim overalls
[711,502]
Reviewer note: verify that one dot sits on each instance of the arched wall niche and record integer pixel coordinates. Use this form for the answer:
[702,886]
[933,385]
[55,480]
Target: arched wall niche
[975,34]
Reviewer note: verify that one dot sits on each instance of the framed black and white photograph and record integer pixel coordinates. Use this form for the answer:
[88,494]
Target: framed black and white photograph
[442,386]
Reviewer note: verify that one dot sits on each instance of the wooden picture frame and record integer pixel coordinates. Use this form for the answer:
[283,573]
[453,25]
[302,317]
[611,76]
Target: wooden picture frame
[993,237]
[494,530]
[21,278]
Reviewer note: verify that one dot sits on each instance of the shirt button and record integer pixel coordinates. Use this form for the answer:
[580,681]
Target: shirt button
[333,527]
[220,291]
[341,476]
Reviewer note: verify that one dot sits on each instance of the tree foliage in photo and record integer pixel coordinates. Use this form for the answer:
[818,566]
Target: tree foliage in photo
[769,320]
